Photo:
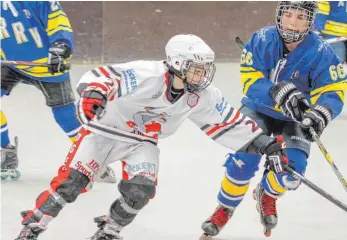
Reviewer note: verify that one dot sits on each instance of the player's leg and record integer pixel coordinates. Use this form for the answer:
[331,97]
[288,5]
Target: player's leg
[86,158]
[60,98]
[9,156]
[240,168]
[273,186]
[137,187]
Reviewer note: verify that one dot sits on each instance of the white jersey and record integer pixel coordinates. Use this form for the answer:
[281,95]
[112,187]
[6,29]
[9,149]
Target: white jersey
[138,108]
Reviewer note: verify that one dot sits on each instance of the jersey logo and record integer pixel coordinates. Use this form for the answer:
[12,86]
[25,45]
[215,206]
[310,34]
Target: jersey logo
[148,122]
[295,75]
[192,100]
[238,162]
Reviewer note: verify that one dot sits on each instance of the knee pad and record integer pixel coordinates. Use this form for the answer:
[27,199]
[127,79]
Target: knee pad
[66,118]
[277,184]
[240,168]
[136,193]
[70,188]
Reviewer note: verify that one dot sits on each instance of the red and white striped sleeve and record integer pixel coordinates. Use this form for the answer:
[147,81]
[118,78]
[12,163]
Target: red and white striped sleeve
[224,124]
[106,79]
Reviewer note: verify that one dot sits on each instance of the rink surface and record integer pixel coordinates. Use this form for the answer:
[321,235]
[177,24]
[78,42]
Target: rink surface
[189,179]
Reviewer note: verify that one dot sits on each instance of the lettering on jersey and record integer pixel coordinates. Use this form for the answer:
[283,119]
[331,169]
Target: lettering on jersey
[84,169]
[140,167]
[255,127]
[148,122]
[18,30]
[221,106]
[27,13]
[295,75]
[158,94]
[323,45]
[3,30]
[192,100]
[261,34]
[129,79]
[7,5]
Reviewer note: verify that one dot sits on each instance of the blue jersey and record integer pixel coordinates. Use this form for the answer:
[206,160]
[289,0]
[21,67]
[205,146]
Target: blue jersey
[331,18]
[28,29]
[312,67]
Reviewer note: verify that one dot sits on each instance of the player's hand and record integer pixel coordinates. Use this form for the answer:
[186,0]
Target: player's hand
[91,105]
[292,102]
[276,156]
[57,55]
[317,117]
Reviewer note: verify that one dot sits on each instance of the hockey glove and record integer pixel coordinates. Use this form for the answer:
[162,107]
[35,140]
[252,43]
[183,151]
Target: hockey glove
[276,156]
[317,117]
[57,55]
[292,102]
[91,105]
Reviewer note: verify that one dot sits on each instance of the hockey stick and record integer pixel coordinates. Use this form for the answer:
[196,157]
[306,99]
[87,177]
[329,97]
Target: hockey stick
[315,137]
[34,64]
[338,39]
[316,188]
[328,158]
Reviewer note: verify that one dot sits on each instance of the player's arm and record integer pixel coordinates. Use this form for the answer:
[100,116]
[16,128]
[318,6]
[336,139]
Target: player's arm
[101,85]
[254,73]
[322,14]
[220,121]
[329,85]
[59,32]
[230,128]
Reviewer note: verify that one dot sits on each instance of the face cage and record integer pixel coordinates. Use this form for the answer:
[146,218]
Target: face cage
[290,36]
[209,70]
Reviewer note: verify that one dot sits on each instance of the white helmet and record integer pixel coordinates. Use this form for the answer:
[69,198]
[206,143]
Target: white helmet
[188,54]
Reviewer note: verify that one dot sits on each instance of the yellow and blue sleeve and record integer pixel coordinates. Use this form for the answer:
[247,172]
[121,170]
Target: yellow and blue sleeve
[254,83]
[322,14]
[329,83]
[56,22]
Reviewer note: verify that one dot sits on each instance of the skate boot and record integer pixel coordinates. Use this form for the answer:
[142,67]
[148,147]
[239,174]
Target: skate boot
[31,230]
[106,231]
[109,175]
[214,224]
[9,161]
[266,206]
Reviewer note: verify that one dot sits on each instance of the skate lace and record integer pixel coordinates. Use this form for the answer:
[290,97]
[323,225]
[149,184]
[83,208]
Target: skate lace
[268,204]
[221,216]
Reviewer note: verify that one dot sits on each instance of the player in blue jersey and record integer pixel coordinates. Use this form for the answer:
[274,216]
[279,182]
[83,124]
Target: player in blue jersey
[331,22]
[37,31]
[291,80]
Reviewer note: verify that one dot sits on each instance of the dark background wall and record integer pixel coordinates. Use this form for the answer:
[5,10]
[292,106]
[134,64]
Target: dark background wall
[121,31]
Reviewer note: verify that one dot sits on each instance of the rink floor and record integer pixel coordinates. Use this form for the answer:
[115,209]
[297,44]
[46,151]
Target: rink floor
[189,180]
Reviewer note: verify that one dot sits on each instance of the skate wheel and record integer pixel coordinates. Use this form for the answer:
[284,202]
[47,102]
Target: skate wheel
[267,232]
[17,176]
[205,237]
[4,177]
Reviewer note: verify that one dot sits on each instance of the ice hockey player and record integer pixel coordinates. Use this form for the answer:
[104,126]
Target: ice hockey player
[37,31]
[331,22]
[289,75]
[126,108]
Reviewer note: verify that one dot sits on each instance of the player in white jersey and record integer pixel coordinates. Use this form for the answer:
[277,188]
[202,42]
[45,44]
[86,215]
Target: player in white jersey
[125,109]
